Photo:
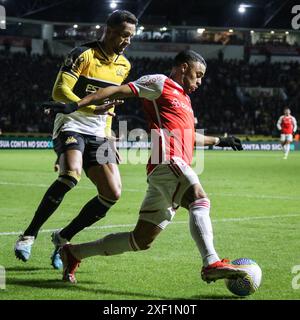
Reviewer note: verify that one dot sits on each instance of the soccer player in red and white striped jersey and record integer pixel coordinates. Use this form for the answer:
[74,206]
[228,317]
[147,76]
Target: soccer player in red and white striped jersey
[287,125]
[171,180]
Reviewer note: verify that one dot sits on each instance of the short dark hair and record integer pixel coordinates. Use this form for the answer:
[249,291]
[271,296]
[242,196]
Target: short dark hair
[188,56]
[119,16]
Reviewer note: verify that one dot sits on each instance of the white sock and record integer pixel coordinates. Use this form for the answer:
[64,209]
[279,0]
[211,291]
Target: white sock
[114,243]
[201,230]
[287,149]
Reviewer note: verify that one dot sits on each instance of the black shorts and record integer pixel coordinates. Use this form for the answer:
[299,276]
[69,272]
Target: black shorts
[95,150]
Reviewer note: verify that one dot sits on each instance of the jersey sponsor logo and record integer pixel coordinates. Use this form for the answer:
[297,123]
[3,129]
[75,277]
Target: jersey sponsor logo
[70,140]
[179,104]
[91,88]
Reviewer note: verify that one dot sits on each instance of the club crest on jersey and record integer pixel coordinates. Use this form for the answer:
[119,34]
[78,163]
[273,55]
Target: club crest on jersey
[68,61]
[120,72]
[70,140]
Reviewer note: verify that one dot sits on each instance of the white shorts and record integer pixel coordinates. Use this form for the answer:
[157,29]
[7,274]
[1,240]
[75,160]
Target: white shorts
[286,137]
[166,185]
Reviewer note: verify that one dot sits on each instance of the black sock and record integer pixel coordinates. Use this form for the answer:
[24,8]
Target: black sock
[93,211]
[50,202]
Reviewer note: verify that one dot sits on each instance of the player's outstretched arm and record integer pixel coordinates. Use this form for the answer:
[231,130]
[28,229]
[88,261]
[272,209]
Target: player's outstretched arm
[113,93]
[231,141]
[202,140]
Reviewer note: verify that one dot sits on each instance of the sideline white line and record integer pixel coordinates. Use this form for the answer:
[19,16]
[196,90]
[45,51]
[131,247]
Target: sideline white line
[37,185]
[42,185]
[254,196]
[175,222]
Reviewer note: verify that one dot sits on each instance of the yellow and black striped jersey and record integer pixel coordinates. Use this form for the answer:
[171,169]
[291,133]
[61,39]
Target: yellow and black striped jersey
[86,69]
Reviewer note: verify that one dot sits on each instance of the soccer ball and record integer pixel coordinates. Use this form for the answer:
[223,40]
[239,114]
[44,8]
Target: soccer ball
[250,283]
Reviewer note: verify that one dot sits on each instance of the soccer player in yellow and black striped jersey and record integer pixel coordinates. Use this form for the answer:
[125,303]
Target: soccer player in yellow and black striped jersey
[79,137]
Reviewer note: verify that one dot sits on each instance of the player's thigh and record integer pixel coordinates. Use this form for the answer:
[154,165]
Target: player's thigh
[107,179]
[69,147]
[181,185]
[155,208]
[70,160]
[283,138]
[289,138]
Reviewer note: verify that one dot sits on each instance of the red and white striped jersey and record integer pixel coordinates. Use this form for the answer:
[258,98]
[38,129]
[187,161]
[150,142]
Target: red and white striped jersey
[170,117]
[287,124]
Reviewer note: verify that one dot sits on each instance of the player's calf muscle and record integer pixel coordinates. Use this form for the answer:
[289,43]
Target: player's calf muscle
[144,234]
[143,243]
[108,182]
[112,191]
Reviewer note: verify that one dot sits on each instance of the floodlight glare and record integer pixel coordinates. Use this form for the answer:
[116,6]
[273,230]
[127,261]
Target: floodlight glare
[113,5]
[200,30]
[242,9]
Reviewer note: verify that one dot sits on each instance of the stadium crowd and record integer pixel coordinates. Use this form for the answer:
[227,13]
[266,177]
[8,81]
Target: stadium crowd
[27,80]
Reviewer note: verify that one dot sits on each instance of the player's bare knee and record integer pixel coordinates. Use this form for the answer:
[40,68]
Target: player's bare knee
[110,195]
[200,195]
[116,193]
[193,193]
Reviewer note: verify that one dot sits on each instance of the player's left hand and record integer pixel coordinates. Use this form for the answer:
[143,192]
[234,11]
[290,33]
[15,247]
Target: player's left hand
[232,142]
[54,107]
[104,108]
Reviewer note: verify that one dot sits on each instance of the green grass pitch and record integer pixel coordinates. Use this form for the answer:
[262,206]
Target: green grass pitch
[255,212]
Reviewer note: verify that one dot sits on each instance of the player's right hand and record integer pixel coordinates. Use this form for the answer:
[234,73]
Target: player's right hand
[104,108]
[54,107]
[232,142]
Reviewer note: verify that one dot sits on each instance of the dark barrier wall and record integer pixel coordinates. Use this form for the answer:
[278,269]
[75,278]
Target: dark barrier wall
[46,143]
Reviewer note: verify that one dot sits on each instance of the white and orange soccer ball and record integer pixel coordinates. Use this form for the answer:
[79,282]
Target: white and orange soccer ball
[248,284]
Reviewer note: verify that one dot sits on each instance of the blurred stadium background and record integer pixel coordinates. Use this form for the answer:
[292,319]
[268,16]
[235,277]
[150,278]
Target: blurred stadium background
[253,55]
